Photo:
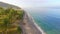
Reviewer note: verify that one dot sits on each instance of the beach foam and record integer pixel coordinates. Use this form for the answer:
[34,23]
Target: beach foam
[35,23]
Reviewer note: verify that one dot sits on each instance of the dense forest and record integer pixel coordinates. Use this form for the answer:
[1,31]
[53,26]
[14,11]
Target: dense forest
[9,19]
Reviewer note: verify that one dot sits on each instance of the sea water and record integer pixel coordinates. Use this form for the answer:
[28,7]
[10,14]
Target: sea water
[48,19]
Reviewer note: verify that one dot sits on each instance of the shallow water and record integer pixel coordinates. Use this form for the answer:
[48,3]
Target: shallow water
[48,19]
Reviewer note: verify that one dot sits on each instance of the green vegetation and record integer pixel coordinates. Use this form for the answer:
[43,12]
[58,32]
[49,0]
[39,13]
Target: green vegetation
[9,20]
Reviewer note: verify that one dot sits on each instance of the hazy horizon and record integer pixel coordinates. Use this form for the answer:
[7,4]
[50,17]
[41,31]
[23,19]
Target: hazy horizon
[34,3]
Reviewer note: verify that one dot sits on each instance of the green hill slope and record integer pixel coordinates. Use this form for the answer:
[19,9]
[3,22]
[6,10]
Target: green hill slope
[9,19]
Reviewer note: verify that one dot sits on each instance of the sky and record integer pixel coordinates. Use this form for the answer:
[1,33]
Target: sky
[33,3]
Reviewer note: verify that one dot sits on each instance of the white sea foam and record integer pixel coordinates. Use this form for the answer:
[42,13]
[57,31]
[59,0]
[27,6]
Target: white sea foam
[39,28]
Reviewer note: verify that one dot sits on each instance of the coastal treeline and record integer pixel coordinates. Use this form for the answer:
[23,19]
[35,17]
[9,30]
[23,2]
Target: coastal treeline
[9,19]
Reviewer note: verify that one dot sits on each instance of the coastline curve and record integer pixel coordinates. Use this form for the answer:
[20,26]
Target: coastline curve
[35,23]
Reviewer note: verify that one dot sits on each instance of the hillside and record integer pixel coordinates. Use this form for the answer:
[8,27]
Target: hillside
[10,19]
[2,4]
[14,20]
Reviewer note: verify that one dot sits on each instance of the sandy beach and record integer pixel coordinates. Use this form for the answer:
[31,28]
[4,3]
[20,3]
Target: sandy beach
[29,26]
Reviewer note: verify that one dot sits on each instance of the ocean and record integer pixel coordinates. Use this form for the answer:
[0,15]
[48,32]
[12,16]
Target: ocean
[47,18]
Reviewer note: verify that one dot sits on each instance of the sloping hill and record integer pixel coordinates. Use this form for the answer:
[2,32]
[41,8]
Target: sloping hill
[10,19]
[2,4]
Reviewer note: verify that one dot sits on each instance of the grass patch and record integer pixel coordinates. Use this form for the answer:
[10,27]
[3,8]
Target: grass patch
[8,18]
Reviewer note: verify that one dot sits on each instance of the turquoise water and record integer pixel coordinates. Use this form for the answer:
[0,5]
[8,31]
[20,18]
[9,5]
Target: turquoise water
[48,20]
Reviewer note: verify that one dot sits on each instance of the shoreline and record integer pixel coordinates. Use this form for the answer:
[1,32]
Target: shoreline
[36,25]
